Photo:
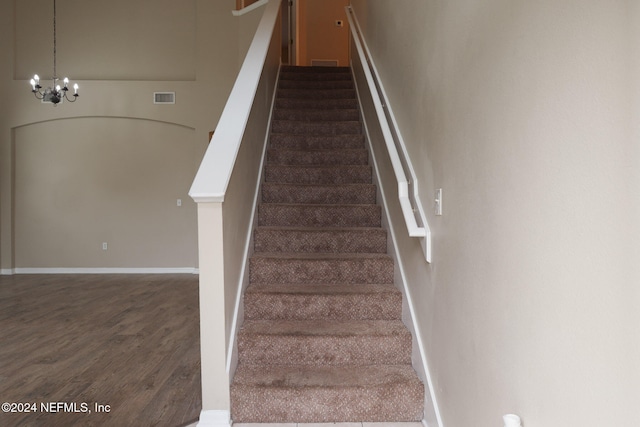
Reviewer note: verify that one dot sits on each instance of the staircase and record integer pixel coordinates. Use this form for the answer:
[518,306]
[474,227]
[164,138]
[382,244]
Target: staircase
[322,339]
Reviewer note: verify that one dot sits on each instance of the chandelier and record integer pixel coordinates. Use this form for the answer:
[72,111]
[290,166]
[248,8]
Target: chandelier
[55,93]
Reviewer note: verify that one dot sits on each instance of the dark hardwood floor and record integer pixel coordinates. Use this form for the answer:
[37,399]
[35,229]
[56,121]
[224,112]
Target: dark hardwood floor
[127,341]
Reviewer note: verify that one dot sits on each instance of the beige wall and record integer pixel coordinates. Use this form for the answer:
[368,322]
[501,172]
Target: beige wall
[113,155]
[319,38]
[121,39]
[525,113]
[116,181]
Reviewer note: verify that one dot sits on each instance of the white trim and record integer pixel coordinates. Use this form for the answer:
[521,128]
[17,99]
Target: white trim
[185,270]
[7,272]
[249,8]
[215,418]
[247,247]
[211,181]
[433,407]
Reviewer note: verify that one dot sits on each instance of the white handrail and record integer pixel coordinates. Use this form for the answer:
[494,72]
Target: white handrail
[211,181]
[408,210]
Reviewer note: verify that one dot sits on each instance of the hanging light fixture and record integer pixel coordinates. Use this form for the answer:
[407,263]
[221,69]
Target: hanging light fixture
[56,93]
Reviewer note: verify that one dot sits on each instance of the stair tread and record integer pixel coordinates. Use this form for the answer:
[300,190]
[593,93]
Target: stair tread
[314,110]
[321,229]
[320,150]
[320,166]
[329,185]
[319,256]
[321,206]
[324,376]
[321,289]
[318,122]
[324,328]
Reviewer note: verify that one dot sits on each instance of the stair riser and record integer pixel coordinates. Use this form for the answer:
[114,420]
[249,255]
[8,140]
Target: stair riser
[316,115]
[354,174]
[314,142]
[317,94]
[338,241]
[324,350]
[316,104]
[307,158]
[310,77]
[330,271]
[319,216]
[314,70]
[279,404]
[315,84]
[278,306]
[321,128]
[353,194]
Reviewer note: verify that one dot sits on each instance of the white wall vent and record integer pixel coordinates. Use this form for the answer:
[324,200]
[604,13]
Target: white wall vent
[164,97]
[324,62]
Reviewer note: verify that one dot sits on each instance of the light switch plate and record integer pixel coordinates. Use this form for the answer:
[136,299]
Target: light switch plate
[438,200]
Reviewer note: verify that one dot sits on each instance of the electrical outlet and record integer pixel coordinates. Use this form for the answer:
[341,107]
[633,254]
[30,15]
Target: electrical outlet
[179,202]
[105,246]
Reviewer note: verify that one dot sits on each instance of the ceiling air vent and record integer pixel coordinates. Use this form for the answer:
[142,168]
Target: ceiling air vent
[164,97]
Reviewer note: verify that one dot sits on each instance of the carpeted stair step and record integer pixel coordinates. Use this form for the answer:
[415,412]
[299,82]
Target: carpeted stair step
[320,240]
[326,394]
[299,215]
[315,70]
[317,93]
[316,142]
[318,157]
[353,194]
[316,104]
[322,339]
[274,267]
[313,76]
[310,115]
[298,127]
[314,84]
[342,174]
[322,302]
[326,342]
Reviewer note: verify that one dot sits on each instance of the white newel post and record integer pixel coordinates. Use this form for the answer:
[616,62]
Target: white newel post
[215,379]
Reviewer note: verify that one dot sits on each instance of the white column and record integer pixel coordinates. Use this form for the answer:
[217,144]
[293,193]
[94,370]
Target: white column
[215,380]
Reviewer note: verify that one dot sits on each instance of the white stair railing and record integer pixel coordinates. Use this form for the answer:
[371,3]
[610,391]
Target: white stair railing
[225,189]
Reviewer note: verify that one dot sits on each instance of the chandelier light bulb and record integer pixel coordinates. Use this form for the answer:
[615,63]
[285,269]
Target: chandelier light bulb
[53,94]
[75,89]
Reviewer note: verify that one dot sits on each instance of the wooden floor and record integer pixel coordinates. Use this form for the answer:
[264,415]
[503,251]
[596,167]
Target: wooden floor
[127,341]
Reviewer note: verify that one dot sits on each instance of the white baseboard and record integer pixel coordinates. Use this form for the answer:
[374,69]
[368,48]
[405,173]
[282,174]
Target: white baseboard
[215,419]
[185,270]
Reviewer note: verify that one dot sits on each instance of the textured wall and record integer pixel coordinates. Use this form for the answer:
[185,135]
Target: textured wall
[525,113]
[115,40]
[116,181]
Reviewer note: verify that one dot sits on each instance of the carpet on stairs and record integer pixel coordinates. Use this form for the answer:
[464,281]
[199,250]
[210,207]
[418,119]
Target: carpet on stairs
[322,339]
